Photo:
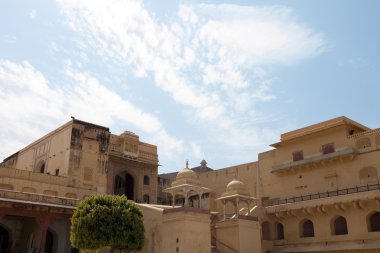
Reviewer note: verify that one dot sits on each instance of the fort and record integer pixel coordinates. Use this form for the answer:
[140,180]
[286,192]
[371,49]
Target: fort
[316,190]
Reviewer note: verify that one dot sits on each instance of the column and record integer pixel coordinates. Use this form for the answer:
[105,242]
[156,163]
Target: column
[186,198]
[224,209]
[173,199]
[43,222]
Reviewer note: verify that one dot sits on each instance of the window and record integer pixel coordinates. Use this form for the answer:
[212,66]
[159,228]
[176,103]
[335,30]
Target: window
[328,148]
[146,180]
[340,226]
[307,228]
[374,222]
[57,172]
[297,156]
[265,230]
[279,231]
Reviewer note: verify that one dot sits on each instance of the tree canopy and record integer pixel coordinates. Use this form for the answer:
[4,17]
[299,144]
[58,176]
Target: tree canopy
[107,221]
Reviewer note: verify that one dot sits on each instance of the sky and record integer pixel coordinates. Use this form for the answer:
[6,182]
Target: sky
[209,80]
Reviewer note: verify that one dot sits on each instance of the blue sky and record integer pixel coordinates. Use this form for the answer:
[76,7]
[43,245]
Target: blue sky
[200,79]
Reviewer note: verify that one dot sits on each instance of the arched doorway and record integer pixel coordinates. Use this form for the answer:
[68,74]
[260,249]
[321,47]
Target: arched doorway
[129,185]
[124,184]
[4,240]
[49,242]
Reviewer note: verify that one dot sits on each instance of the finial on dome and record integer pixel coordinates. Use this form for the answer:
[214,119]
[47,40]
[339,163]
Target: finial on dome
[187,163]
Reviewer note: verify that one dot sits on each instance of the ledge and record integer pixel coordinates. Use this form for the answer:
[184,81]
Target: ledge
[342,153]
[187,209]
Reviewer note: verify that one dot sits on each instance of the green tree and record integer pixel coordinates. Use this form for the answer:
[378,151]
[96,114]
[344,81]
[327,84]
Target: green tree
[107,221]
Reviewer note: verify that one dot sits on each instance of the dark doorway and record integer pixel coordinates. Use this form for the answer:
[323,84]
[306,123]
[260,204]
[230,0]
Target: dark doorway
[129,185]
[374,220]
[124,185]
[49,242]
[4,240]
[119,185]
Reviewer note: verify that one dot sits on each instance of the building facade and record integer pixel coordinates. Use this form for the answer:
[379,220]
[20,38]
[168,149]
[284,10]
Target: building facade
[41,184]
[316,190]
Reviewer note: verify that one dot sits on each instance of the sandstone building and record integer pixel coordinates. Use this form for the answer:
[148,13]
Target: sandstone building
[317,190]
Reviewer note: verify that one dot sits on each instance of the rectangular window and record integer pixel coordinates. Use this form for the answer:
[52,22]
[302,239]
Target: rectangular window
[328,148]
[297,156]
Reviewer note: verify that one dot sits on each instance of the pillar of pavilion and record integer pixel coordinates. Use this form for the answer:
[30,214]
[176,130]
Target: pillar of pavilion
[237,194]
[187,185]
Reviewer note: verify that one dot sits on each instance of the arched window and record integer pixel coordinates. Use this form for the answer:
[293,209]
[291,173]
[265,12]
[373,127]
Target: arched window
[374,222]
[4,240]
[146,180]
[279,231]
[265,230]
[340,226]
[146,199]
[307,228]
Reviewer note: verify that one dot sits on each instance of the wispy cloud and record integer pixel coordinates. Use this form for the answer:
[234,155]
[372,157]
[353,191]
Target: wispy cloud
[215,61]
[33,14]
[33,107]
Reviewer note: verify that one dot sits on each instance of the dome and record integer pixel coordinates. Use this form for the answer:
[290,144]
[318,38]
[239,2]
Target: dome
[236,187]
[186,173]
[186,176]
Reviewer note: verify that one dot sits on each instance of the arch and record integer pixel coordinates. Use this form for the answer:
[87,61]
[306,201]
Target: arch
[41,167]
[146,199]
[265,232]
[71,195]
[4,240]
[29,189]
[368,175]
[307,228]
[339,226]
[6,186]
[124,184]
[373,222]
[279,231]
[146,180]
[51,241]
[50,192]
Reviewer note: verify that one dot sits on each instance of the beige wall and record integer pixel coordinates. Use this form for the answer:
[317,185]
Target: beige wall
[186,229]
[217,181]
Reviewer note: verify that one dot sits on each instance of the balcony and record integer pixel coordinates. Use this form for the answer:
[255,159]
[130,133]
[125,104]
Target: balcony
[318,160]
[37,199]
[353,196]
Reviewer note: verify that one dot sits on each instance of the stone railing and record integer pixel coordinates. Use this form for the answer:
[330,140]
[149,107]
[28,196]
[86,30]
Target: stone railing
[34,198]
[35,177]
[357,189]
[338,154]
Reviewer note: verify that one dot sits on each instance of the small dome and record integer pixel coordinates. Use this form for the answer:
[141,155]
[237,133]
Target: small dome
[186,176]
[186,173]
[236,187]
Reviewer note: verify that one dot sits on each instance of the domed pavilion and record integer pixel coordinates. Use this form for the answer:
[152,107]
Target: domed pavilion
[187,185]
[236,193]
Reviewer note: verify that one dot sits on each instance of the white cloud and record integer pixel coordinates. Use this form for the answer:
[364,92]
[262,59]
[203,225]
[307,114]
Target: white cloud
[33,14]
[32,108]
[214,60]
